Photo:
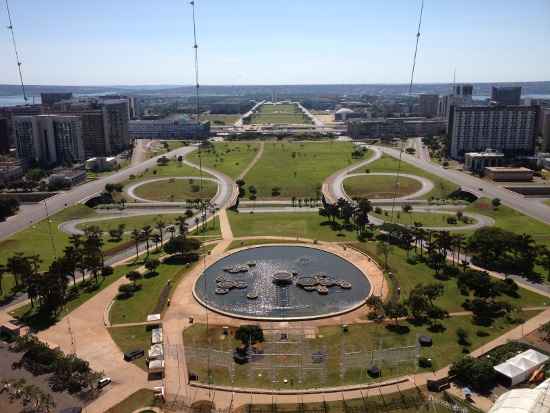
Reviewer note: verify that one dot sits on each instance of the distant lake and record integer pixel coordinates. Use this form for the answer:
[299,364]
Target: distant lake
[17,100]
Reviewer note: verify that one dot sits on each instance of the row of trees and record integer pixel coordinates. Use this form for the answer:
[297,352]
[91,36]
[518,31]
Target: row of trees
[30,396]
[353,214]
[8,207]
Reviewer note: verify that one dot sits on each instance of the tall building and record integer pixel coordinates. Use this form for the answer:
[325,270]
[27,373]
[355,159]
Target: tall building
[49,139]
[116,115]
[387,128]
[545,114]
[93,133]
[10,112]
[428,104]
[4,136]
[462,95]
[508,129]
[506,95]
[49,99]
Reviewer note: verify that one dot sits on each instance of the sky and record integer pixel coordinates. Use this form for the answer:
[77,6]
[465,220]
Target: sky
[147,42]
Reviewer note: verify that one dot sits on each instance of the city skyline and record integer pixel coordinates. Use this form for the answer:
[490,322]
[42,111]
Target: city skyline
[277,43]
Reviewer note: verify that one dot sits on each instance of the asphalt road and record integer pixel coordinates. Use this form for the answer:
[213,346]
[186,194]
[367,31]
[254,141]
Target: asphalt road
[478,186]
[32,213]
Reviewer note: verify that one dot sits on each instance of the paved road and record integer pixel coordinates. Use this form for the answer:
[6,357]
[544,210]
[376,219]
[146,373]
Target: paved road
[37,212]
[421,150]
[488,189]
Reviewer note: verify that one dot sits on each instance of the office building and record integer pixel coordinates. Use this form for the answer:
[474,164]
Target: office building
[49,139]
[11,169]
[462,95]
[504,174]
[4,136]
[428,104]
[10,112]
[394,128]
[508,129]
[116,115]
[49,99]
[545,127]
[506,95]
[168,129]
[478,161]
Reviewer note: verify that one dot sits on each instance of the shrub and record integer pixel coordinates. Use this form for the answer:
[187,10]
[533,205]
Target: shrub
[424,362]
[107,270]
[249,334]
[481,333]
[462,336]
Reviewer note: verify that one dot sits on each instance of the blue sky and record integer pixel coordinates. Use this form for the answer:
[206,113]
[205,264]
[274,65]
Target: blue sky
[119,42]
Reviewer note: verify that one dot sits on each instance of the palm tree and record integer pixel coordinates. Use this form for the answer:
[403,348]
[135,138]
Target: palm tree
[3,270]
[180,221]
[172,231]
[160,225]
[146,233]
[156,239]
[136,237]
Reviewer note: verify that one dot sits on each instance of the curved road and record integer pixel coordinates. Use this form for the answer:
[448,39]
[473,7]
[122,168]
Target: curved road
[32,213]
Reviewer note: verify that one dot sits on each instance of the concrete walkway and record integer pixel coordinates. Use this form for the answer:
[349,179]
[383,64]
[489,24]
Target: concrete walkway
[259,154]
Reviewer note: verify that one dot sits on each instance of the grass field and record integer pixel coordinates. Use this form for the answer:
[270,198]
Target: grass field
[298,169]
[132,338]
[427,219]
[303,225]
[177,190]
[285,113]
[512,220]
[360,337]
[137,400]
[173,168]
[380,186]
[230,158]
[442,187]
[219,119]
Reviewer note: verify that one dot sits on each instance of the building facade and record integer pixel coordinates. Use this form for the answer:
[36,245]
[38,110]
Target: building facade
[4,136]
[478,161]
[508,129]
[49,139]
[506,95]
[49,99]
[545,114]
[428,104]
[116,115]
[168,129]
[394,128]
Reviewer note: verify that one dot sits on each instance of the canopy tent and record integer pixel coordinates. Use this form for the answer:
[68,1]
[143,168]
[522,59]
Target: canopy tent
[535,400]
[520,367]
[156,352]
[156,335]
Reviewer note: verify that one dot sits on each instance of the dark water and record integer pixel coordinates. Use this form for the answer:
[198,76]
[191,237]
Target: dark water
[282,301]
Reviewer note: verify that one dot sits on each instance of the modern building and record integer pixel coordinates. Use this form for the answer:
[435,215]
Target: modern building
[168,129]
[509,129]
[478,161]
[461,95]
[11,170]
[545,115]
[4,136]
[116,115]
[67,177]
[506,95]
[101,163]
[342,114]
[428,104]
[524,400]
[10,112]
[49,139]
[49,99]
[504,174]
[394,128]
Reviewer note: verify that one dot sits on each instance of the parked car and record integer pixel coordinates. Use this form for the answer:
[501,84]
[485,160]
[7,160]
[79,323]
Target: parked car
[103,382]
[134,354]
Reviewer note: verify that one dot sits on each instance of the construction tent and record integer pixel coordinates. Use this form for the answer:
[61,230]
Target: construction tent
[535,400]
[156,335]
[520,367]
[156,352]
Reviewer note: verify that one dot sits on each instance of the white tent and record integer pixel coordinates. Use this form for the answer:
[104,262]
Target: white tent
[156,366]
[156,335]
[519,368]
[156,352]
[523,401]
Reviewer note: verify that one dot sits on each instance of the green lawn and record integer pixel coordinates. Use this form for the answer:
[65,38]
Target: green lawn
[280,114]
[512,220]
[298,169]
[174,190]
[230,158]
[547,202]
[132,338]
[406,276]
[360,337]
[288,224]
[220,119]
[173,168]
[442,187]
[141,398]
[380,186]
[427,219]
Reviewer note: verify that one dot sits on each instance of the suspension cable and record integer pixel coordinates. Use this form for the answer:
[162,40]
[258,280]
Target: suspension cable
[14,43]
[396,188]
[197,108]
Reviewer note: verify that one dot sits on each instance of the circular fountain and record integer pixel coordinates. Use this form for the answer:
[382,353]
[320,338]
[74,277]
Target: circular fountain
[285,283]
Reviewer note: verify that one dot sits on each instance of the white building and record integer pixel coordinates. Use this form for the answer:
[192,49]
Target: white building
[477,161]
[101,163]
[535,400]
[509,129]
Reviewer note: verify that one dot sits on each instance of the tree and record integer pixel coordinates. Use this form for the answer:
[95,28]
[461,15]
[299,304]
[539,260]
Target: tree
[137,238]
[8,207]
[421,301]
[496,203]
[395,311]
[249,334]
[152,264]
[146,233]
[476,373]
[134,276]
[3,270]
[543,258]
[181,245]
[385,249]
